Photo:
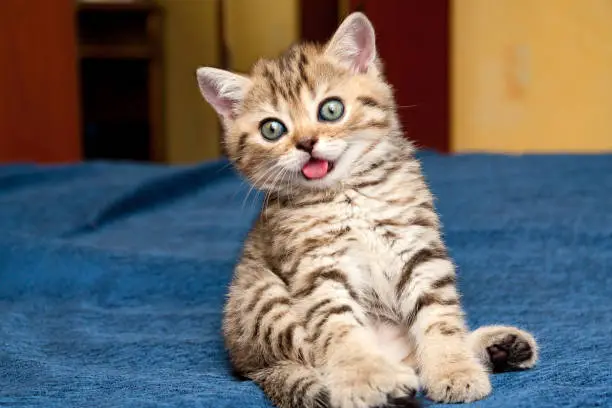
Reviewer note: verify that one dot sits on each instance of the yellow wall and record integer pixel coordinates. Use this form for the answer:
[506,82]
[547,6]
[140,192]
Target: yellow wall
[191,41]
[259,28]
[344,9]
[253,28]
[532,75]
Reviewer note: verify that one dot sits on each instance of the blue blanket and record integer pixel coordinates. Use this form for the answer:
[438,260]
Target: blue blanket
[112,277]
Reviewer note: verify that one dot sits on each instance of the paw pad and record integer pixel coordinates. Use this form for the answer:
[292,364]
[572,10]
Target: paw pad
[509,353]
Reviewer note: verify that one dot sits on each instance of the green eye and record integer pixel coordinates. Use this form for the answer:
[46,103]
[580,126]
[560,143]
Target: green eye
[331,110]
[272,129]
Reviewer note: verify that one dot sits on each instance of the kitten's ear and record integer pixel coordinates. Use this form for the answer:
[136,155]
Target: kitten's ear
[354,43]
[224,90]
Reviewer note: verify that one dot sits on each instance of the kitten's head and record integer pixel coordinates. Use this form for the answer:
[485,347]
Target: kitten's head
[310,119]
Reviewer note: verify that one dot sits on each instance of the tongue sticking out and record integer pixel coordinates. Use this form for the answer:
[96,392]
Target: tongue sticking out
[315,169]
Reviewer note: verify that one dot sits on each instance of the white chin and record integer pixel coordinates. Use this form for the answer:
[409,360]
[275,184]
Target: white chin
[328,181]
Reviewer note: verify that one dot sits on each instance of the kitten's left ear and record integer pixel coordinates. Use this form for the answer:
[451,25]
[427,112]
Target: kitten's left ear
[354,43]
[224,90]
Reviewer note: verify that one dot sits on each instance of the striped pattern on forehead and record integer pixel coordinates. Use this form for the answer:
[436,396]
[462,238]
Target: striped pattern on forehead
[300,67]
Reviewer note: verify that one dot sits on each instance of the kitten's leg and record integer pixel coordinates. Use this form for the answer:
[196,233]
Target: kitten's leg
[290,385]
[448,369]
[502,348]
[266,338]
[344,345]
[317,335]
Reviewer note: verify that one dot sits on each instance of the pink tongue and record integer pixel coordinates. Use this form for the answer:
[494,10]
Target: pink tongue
[315,169]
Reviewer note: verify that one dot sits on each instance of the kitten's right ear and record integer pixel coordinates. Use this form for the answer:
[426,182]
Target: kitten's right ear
[224,90]
[354,43]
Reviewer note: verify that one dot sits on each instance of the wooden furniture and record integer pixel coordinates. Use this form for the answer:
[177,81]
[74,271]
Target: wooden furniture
[39,114]
[120,56]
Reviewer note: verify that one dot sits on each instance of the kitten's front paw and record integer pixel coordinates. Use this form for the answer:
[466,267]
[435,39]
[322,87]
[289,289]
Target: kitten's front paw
[372,382]
[462,381]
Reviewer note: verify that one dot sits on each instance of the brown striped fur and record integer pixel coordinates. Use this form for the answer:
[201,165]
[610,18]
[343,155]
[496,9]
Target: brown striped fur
[345,290]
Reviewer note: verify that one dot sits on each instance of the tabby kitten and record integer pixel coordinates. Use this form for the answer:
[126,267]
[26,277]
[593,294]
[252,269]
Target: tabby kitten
[345,295]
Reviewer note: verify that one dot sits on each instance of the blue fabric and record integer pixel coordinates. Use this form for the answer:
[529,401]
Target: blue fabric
[112,277]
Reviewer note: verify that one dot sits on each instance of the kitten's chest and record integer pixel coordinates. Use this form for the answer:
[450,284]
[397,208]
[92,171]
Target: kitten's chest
[382,237]
[376,231]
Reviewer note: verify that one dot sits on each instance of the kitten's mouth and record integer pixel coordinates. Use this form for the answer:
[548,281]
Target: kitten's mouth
[316,169]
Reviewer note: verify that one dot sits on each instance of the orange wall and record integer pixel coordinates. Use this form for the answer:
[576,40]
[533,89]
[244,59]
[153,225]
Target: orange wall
[532,75]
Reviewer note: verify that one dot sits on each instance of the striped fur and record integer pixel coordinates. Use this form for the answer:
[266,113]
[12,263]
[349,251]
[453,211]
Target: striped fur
[345,289]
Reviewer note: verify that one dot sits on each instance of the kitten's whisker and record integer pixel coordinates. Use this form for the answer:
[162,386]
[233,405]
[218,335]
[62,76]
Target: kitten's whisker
[246,197]
[289,173]
[291,180]
[278,177]
[271,173]
[251,185]
[225,166]
[268,193]
[293,177]
[274,176]
[268,172]
[274,181]
[242,183]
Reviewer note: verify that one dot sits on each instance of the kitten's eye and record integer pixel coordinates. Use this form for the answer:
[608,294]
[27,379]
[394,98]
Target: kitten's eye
[331,110]
[272,129]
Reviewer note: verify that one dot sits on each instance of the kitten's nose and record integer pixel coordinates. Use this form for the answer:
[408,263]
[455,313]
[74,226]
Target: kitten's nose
[306,144]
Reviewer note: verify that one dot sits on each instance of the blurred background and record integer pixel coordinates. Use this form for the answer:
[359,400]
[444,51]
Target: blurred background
[115,79]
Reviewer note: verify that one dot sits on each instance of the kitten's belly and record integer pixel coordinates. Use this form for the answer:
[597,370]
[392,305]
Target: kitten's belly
[394,342]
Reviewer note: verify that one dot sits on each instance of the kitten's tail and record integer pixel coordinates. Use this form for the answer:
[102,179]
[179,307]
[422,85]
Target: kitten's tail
[292,385]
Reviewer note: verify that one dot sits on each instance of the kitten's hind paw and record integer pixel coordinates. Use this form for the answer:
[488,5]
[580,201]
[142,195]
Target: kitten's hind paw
[510,352]
[504,348]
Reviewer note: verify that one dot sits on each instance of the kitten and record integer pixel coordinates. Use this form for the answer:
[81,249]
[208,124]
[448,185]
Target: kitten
[345,295]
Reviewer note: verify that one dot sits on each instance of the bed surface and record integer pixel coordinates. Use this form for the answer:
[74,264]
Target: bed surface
[112,277]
